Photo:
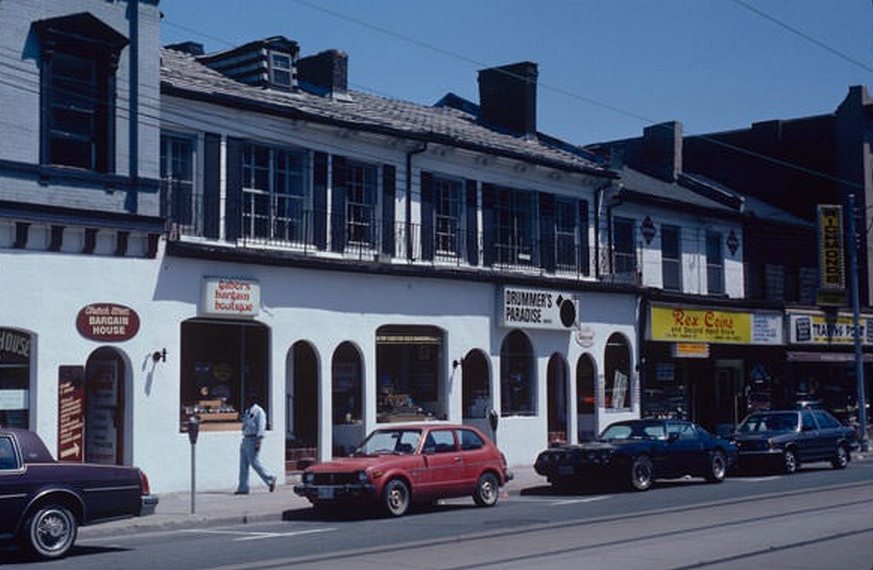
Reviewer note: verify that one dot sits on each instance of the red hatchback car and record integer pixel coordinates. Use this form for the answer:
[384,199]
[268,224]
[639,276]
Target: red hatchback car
[397,466]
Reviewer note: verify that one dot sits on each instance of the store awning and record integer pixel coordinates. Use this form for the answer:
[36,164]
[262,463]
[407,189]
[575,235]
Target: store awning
[825,357]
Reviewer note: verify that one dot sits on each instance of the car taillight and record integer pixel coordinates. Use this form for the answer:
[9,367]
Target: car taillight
[503,458]
[144,483]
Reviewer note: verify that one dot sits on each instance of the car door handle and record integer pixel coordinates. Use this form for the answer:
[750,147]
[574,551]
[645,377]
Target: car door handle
[457,459]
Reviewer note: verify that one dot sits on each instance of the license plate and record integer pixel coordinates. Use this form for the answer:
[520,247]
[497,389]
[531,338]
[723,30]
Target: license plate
[565,470]
[325,492]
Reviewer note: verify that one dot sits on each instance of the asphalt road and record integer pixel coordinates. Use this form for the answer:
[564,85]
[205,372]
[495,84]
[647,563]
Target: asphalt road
[819,518]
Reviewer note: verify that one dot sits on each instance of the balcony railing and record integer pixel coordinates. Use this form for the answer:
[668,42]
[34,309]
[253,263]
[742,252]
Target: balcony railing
[370,239]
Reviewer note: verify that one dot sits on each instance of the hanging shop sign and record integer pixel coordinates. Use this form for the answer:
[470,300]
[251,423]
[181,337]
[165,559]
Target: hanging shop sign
[681,324]
[537,309]
[823,330]
[230,297]
[107,322]
[830,247]
[71,413]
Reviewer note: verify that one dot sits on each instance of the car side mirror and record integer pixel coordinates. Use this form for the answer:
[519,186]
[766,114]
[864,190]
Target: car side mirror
[672,437]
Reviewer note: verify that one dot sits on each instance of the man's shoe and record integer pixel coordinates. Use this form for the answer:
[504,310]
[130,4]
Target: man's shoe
[240,492]
[273,485]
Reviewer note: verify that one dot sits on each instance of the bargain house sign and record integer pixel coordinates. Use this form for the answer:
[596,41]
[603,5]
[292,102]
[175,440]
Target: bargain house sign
[231,297]
[107,322]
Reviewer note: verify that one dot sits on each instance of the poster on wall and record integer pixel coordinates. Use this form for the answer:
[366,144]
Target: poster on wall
[619,390]
[101,436]
[71,413]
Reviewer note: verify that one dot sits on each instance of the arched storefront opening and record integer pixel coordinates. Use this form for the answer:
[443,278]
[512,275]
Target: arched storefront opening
[347,391]
[476,386]
[517,376]
[105,407]
[410,372]
[557,399]
[585,399]
[617,388]
[301,406]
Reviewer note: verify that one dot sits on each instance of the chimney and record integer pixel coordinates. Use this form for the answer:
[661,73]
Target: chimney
[660,151]
[191,48]
[325,73]
[508,97]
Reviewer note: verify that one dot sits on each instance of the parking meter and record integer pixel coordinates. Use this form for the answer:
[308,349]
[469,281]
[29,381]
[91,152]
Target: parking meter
[193,433]
[493,418]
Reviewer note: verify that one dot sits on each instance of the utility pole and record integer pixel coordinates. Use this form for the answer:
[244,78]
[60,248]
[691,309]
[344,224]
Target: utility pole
[856,314]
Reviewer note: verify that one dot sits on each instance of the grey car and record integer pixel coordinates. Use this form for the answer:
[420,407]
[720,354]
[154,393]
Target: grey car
[785,439]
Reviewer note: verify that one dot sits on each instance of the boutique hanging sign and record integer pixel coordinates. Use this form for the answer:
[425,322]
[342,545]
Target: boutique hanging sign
[231,297]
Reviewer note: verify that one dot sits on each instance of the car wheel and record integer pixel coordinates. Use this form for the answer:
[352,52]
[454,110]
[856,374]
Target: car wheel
[717,467]
[841,457]
[49,531]
[395,498]
[487,490]
[789,462]
[642,473]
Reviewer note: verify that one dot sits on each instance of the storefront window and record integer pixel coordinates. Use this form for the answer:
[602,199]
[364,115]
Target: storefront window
[409,373]
[14,378]
[347,385]
[517,376]
[221,363]
[617,377]
[477,391]
[585,385]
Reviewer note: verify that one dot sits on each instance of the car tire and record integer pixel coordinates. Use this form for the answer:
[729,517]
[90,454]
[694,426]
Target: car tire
[49,531]
[790,464]
[717,467]
[841,457]
[487,490]
[395,498]
[642,473]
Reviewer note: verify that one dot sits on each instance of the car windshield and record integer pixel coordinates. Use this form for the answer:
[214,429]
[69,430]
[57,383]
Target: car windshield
[786,421]
[398,441]
[638,430]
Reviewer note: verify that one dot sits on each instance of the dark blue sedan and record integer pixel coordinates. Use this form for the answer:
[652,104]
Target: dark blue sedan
[43,502]
[636,452]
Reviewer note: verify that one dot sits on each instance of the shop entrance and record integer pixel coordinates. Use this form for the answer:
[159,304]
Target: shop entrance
[557,399]
[717,397]
[476,386]
[301,407]
[105,407]
[585,375]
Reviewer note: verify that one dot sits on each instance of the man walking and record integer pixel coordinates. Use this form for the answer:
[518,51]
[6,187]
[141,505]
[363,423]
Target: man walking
[254,424]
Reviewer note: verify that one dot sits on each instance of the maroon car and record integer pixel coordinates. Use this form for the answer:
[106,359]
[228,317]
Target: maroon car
[397,466]
[43,502]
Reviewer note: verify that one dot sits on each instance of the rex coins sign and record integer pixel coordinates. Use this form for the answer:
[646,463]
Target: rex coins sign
[537,309]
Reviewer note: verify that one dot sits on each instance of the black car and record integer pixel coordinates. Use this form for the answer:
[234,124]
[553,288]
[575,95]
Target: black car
[637,452]
[785,439]
[43,502]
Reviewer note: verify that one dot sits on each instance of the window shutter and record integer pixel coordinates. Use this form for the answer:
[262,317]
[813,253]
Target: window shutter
[426,216]
[547,231]
[319,200]
[338,204]
[489,198]
[233,213]
[584,249]
[389,186]
[472,222]
[211,184]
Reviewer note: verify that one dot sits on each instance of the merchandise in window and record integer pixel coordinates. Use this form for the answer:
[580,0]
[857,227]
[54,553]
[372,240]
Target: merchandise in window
[409,373]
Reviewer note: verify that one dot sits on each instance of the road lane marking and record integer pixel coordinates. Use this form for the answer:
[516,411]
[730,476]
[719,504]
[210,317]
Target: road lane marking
[575,501]
[756,479]
[251,535]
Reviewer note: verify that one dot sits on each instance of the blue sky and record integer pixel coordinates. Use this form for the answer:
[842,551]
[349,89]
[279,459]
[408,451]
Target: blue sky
[607,68]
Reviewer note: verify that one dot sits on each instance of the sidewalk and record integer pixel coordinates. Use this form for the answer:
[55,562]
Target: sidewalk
[216,508]
[222,507]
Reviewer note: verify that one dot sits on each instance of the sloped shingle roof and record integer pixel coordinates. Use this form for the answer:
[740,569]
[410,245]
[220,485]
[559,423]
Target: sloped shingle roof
[183,75]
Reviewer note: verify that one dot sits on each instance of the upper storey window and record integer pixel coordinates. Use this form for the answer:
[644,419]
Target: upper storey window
[78,60]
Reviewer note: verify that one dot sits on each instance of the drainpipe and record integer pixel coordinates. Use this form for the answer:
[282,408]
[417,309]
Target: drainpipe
[133,105]
[598,200]
[417,150]
[618,201]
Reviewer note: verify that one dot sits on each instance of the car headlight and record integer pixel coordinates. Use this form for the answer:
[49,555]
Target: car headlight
[308,477]
[363,477]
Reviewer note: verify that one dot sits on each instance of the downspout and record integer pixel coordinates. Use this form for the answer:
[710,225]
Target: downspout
[618,201]
[598,201]
[133,105]
[417,150]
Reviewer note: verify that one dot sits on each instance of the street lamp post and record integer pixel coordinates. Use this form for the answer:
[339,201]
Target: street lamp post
[856,310]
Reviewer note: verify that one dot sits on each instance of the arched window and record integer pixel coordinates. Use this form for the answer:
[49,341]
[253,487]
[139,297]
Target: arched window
[477,391]
[585,385]
[556,375]
[409,369]
[617,373]
[347,385]
[517,376]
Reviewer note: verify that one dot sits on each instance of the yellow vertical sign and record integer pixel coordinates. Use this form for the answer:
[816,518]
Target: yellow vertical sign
[830,247]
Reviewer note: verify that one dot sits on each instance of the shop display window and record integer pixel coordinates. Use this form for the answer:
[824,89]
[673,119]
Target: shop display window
[517,376]
[617,377]
[221,362]
[409,369]
[347,385]
[14,378]
[585,381]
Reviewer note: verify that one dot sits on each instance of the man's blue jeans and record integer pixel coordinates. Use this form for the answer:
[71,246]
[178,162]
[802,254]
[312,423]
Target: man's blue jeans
[248,456]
